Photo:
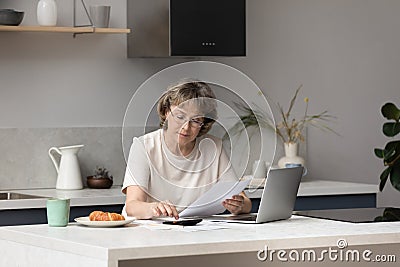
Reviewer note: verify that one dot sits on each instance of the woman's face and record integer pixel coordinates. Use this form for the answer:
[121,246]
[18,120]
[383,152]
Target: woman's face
[184,123]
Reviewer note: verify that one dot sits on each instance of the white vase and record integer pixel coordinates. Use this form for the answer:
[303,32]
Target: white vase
[47,13]
[291,155]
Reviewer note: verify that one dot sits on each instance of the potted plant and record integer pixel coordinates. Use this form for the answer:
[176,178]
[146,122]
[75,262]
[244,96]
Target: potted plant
[390,156]
[101,179]
[290,130]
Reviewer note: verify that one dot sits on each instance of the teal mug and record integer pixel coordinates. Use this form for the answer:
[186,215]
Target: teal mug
[293,165]
[57,212]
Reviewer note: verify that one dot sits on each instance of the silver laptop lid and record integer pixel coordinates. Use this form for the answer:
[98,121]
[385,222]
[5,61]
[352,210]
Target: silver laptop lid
[279,194]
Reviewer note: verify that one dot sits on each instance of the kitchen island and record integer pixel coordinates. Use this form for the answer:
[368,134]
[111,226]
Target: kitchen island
[237,245]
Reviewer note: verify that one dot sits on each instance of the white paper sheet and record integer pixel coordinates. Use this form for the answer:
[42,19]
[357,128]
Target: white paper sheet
[202,226]
[210,203]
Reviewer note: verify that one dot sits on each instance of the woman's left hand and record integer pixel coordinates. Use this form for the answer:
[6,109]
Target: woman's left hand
[235,205]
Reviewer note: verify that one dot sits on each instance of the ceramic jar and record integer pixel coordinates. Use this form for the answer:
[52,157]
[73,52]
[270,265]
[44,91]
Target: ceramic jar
[47,13]
[291,155]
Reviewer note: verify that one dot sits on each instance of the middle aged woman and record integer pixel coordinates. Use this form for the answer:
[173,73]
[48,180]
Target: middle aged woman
[171,167]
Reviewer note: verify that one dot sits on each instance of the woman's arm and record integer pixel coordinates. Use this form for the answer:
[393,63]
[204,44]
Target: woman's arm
[137,205]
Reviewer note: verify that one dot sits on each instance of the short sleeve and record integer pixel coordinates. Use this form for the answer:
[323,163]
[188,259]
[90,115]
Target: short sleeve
[137,169]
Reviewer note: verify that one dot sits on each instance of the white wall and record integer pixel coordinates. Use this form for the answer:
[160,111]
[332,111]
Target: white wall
[344,52]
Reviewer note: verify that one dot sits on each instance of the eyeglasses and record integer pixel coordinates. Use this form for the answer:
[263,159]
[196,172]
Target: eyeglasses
[182,119]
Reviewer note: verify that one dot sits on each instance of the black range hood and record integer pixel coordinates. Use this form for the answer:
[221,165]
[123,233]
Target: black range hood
[186,28]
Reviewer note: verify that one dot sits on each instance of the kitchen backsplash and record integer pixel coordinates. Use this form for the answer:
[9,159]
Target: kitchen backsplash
[25,164]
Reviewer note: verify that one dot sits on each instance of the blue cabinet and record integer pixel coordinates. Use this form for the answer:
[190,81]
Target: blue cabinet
[38,216]
[329,202]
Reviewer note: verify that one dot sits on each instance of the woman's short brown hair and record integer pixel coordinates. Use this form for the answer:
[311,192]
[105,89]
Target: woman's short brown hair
[187,90]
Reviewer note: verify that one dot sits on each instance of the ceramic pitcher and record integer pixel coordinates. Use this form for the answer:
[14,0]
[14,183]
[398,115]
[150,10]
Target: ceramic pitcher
[69,173]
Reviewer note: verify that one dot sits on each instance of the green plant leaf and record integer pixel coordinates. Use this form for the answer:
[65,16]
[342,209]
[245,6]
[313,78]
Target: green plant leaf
[392,152]
[392,144]
[250,118]
[379,153]
[392,214]
[395,176]
[387,154]
[391,129]
[391,112]
[384,177]
[389,215]
[379,219]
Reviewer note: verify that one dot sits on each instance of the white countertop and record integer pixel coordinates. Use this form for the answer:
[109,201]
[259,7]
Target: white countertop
[138,242]
[88,197]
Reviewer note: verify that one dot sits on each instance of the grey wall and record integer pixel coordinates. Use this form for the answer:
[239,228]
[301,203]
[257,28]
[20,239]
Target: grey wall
[344,52]
[52,81]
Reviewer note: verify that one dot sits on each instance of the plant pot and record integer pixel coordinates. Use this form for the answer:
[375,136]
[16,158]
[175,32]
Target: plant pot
[99,183]
[291,155]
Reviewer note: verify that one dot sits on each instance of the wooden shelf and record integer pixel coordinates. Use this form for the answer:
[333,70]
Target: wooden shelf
[62,29]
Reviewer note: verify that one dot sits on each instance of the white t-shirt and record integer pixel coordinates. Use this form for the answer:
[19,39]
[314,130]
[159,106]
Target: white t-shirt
[180,180]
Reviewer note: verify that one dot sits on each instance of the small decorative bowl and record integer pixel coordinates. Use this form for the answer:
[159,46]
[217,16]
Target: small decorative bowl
[99,183]
[11,17]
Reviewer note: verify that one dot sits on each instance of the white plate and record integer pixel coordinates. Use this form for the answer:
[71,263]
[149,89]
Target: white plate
[87,222]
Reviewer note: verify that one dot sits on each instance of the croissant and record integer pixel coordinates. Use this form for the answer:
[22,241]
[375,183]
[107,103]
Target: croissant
[105,216]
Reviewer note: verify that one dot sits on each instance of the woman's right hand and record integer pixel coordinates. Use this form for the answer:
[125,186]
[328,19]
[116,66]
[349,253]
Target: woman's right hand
[164,208]
[137,205]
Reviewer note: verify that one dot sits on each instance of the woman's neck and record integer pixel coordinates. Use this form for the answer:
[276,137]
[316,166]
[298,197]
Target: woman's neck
[176,148]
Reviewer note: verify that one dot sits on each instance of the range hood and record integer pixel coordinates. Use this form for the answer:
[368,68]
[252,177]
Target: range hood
[186,28]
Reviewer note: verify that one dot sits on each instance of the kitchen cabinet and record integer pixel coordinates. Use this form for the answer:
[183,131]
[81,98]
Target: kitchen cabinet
[346,201]
[38,216]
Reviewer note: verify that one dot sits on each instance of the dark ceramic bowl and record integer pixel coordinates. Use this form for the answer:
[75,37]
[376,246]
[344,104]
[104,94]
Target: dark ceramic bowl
[99,183]
[11,17]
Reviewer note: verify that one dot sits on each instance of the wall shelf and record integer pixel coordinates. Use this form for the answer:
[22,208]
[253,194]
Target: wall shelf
[74,30]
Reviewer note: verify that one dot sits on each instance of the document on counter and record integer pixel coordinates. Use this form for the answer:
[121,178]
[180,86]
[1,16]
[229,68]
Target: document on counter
[210,203]
[203,226]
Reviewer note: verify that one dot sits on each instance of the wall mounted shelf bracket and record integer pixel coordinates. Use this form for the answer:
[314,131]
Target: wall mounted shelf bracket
[88,16]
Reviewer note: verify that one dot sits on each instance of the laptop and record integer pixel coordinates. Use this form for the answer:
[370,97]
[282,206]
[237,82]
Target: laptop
[277,200]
